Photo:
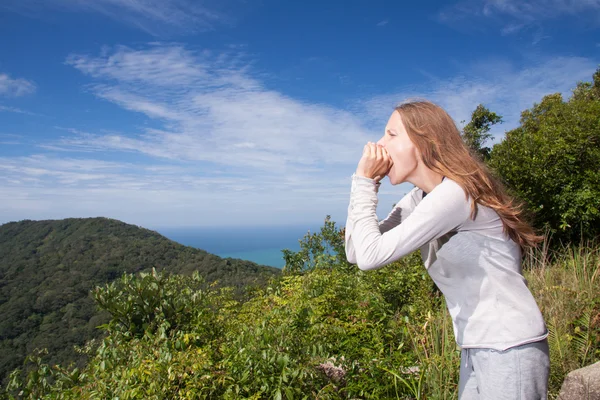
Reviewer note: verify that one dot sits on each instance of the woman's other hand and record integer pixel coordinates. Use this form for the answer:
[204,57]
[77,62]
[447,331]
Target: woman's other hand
[375,162]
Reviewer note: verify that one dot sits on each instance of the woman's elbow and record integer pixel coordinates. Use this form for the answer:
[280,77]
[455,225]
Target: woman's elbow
[351,258]
[364,267]
[365,264]
[350,252]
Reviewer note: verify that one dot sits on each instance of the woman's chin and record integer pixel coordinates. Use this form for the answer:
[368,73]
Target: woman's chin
[395,181]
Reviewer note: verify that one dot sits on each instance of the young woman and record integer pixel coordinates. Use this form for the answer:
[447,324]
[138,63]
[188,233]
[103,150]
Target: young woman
[471,237]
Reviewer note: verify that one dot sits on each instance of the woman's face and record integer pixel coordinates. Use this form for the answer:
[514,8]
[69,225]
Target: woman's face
[401,149]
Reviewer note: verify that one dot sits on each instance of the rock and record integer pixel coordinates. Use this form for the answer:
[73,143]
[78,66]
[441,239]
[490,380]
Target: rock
[582,384]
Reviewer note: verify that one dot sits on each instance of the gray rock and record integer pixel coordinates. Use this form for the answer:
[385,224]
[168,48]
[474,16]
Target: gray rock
[582,384]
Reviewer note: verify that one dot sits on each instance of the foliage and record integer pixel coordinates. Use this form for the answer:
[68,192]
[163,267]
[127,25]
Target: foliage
[141,304]
[48,268]
[476,132]
[327,332]
[323,247]
[552,162]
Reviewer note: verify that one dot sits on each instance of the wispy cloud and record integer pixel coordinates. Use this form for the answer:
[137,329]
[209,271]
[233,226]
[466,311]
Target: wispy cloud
[516,15]
[213,110]
[162,65]
[153,16]
[383,23]
[535,9]
[10,139]
[14,87]
[42,186]
[220,140]
[499,85]
[17,111]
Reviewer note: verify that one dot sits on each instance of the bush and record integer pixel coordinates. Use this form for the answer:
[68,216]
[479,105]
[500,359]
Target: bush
[552,162]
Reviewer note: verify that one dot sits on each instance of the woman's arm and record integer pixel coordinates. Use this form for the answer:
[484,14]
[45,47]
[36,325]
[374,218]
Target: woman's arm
[444,209]
[400,212]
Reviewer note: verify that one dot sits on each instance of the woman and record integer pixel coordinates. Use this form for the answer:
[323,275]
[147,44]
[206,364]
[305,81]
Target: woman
[471,237]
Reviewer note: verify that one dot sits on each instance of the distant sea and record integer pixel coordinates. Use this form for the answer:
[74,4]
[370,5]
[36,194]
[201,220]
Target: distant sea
[262,245]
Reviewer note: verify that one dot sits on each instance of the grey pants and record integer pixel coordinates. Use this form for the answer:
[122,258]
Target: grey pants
[519,373]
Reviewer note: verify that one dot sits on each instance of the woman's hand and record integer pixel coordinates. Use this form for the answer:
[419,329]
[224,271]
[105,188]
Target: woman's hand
[375,162]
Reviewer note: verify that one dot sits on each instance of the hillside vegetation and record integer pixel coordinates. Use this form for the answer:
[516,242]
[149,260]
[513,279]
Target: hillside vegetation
[324,330]
[47,269]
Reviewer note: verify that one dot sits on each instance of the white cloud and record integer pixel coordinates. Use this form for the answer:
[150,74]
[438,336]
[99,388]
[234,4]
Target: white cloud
[18,111]
[221,143]
[214,111]
[153,16]
[158,65]
[498,85]
[512,28]
[10,139]
[41,186]
[516,15]
[535,9]
[14,88]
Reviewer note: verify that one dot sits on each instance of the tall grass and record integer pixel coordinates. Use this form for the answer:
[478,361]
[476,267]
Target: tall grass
[438,354]
[567,290]
[566,286]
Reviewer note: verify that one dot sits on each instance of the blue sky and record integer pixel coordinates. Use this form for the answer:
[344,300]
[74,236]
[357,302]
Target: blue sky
[168,113]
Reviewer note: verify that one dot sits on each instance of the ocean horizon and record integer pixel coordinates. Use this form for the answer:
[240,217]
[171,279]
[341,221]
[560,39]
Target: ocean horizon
[262,245]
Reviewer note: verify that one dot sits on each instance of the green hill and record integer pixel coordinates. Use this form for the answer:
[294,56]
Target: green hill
[47,269]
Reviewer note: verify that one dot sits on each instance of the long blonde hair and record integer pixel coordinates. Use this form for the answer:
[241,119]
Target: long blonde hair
[442,150]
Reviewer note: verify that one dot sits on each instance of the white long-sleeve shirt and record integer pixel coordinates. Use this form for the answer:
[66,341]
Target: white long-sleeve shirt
[473,262]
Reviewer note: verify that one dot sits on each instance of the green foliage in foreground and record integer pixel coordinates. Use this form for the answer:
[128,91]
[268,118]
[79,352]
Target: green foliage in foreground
[324,330]
[330,332]
[48,268]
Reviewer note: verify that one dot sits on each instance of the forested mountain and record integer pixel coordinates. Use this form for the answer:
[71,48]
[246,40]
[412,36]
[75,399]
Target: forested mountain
[47,269]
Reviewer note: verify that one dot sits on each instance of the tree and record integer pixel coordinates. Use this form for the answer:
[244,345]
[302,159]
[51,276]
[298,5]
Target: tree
[322,249]
[552,162]
[476,132]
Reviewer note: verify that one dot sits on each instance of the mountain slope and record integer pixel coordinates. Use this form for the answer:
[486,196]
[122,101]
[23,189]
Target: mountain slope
[47,269]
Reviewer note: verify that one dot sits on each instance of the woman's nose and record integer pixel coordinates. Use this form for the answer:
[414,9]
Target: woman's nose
[380,142]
